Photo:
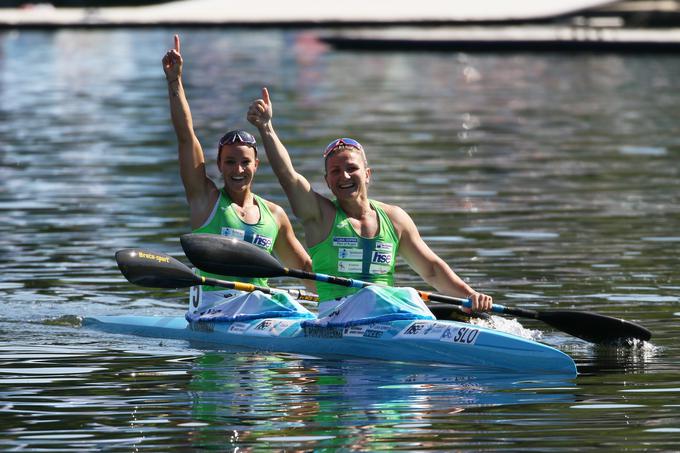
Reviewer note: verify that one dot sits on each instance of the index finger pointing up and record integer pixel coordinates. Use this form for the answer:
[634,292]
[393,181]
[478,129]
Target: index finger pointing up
[177,43]
[265,96]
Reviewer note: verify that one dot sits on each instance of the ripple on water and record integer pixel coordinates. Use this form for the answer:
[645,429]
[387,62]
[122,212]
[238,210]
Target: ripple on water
[528,235]
[495,252]
[660,238]
[643,151]
[634,298]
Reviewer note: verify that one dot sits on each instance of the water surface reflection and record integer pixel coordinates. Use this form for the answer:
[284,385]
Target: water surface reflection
[549,181]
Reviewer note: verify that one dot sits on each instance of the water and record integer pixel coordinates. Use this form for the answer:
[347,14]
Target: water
[549,181]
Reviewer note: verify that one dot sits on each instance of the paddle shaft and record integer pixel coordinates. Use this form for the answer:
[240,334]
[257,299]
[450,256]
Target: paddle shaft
[426,296]
[249,287]
[227,256]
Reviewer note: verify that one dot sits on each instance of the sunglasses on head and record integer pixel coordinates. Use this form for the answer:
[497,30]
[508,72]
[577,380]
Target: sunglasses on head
[332,146]
[233,137]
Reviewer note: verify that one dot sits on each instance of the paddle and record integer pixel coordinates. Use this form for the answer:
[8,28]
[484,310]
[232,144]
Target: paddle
[157,270]
[228,256]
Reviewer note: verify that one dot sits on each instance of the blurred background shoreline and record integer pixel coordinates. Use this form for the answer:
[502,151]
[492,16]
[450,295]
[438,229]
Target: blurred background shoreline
[589,13]
[630,26]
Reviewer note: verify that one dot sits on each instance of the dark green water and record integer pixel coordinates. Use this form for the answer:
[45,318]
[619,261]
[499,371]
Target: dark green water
[549,181]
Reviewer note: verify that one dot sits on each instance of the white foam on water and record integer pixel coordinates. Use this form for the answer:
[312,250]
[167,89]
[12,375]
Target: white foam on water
[511,326]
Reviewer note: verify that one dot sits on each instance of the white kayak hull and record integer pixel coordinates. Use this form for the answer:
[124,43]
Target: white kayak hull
[444,342]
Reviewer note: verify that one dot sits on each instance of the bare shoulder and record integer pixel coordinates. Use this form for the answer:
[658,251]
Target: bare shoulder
[273,207]
[400,218]
[278,212]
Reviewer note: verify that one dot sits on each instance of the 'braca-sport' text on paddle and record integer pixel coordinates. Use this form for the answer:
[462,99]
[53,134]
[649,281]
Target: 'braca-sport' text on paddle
[228,256]
[158,270]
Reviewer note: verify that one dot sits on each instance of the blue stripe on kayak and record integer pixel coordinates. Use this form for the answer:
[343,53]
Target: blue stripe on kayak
[372,320]
[246,317]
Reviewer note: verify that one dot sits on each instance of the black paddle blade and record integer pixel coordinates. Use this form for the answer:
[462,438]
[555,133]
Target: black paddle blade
[228,256]
[594,327]
[154,270]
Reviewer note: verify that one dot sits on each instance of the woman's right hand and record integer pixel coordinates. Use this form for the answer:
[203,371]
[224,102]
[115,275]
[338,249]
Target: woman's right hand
[172,62]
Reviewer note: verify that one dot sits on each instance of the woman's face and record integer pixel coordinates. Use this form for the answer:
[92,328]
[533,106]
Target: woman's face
[238,164]
[347,175]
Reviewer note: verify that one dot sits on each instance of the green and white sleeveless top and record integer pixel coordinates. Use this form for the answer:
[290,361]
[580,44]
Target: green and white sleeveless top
[347,254]
[224,221]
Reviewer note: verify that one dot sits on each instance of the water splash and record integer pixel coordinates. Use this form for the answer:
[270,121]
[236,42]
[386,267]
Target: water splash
[511,326]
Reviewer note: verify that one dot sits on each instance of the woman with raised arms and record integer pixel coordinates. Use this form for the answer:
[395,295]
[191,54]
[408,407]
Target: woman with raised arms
[353,236]
[233,209]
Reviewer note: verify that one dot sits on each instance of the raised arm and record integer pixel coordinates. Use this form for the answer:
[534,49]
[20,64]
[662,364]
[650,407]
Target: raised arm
[200,191]
[306,203]
[428,265]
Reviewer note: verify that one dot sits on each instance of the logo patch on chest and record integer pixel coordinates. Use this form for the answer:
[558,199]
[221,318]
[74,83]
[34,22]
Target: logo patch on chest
[350,254]
[381,258]
[263,241]
[233,233]
[345,242]
[350,266]
[383,246]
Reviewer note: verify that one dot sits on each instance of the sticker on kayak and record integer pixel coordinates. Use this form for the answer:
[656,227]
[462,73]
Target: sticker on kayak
[202,326]
[368,331]
[433,330]
[238,327]
[270,327]
[462,335]
[322,332]
[423,329]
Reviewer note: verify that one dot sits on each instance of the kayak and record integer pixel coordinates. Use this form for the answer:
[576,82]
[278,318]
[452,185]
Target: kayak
[430,341]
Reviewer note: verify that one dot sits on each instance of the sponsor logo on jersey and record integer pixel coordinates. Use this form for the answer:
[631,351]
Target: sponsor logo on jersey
[383,246]
[345,242]
[233,233]
[350,266]
[263,241]
[378,269]
[350,254]
[381,258]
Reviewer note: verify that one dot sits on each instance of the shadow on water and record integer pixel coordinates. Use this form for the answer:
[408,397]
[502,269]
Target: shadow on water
[629,359]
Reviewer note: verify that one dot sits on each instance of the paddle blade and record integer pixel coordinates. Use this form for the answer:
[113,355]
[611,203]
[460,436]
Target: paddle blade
[594,327]
[154,270]
[228,256]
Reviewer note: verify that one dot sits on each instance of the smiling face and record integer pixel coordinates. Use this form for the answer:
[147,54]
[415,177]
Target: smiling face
[238,164]
[347,174]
